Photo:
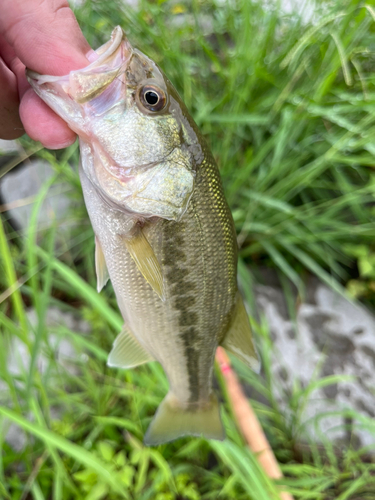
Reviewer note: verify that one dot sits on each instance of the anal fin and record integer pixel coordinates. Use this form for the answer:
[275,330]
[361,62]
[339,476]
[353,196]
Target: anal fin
[146,261]
[127,352]
[102,275]
[239,340]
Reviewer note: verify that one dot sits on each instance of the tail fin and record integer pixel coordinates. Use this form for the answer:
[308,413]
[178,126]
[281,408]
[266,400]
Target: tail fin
[172,421]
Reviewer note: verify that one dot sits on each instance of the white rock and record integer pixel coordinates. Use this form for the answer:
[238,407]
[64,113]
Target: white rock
[332,336]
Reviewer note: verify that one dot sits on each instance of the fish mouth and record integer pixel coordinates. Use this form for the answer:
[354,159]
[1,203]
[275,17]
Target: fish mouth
[110,60]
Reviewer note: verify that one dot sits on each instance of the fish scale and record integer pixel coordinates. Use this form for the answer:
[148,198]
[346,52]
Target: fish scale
[194,250]
[164,232]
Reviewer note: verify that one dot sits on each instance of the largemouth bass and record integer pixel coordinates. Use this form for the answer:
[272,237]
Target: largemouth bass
[164,232]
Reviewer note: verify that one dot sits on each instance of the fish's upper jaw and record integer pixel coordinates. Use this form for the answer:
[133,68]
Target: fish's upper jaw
[68,94]
[113,54]
[111,62]
[82,85]
[35,78]
[117,45]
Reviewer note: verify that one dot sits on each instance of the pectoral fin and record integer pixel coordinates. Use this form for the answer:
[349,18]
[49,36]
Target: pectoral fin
[127,352]
[146,261]
[102,275]
[239,339]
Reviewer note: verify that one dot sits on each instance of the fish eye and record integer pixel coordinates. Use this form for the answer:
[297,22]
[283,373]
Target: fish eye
[152,98]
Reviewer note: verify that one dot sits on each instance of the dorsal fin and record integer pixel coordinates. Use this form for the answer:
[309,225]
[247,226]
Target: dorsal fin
[127,352]
[239,340]
[146,261]
[102,275]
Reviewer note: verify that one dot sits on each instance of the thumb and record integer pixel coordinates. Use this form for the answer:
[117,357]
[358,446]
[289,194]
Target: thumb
[45,35]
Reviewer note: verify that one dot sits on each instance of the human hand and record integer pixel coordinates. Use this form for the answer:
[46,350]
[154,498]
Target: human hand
[44,36]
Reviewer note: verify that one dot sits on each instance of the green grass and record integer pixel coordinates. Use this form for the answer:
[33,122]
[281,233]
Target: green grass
[289,111]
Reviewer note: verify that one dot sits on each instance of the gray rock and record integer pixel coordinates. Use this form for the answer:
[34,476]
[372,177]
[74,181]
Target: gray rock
[64,353]
[331,336]
[305,8]
[15,437]
[8,146]
[19,191]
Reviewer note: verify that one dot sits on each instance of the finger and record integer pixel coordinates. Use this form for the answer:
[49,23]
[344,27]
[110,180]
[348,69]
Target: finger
[45,35]
[10,123]
[39,121]
[14,64]
[42,124]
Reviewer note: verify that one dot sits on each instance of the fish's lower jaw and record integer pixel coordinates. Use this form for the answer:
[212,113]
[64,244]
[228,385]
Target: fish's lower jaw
[173,421]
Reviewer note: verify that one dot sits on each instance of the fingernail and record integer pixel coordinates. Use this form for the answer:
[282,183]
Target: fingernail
[62,145]
[92,55]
